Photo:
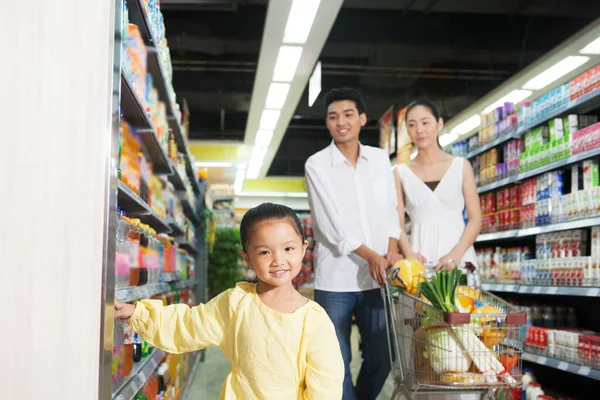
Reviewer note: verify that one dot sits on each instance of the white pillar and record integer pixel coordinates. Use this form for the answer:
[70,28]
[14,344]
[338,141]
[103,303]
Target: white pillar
[56,171]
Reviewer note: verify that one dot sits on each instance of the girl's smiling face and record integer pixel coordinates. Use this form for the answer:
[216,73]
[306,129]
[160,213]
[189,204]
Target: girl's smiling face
[275,251]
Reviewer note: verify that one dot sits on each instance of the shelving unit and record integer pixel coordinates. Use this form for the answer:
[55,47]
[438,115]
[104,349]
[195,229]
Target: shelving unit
[176,230]
[187,245]
[531,295]
[191,374]
[494,143]
[541,170]
[582,370]
[503,287]
[133,110]
[139,375]
[134,113]
[188,210]
[135,206]
[176,179]
[581,105]
[525,232]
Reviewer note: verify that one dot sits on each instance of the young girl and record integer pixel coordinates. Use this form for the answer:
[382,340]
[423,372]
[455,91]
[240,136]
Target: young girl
[280,344]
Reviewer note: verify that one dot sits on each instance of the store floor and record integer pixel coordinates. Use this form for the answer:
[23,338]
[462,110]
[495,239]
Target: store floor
[212,371]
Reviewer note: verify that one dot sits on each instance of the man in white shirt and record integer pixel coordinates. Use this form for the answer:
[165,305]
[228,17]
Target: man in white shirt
[353,204]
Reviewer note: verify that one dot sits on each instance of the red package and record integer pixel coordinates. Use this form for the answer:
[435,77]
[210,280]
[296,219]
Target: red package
[514,197]
[500,200]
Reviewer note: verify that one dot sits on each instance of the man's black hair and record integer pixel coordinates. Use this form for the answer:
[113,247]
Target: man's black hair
[346,93]
[266,212]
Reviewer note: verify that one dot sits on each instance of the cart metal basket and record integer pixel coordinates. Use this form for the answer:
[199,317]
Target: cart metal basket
[434,352]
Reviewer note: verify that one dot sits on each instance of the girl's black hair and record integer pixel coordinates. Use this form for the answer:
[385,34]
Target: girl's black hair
[424,103]
[428,105]
[266,212]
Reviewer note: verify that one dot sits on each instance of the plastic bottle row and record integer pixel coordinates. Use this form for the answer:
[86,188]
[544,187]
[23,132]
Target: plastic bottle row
[129,349]
[142,255]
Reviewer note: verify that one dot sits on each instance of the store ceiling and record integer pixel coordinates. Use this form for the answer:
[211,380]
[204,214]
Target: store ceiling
[450,51]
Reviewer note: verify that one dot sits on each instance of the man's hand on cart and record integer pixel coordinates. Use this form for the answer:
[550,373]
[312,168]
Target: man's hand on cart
[377,268]
[392,258]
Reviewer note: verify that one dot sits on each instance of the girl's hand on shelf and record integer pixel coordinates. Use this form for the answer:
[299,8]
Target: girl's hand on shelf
[123,310]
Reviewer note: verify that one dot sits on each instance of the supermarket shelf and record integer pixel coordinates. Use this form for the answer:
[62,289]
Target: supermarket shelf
[582,223]
[188,210]
[583,104]
[498,184]
[184,244]
[139,376]
[176,230]
[135,206]
[190,377]
[140,292]
[175,179]
[542,290]
[217,198]
[482,149]
[525,232]
[559,164]
[138,16]
[134,113]
[486,237]
[563,365]
[190,283]
[172,277]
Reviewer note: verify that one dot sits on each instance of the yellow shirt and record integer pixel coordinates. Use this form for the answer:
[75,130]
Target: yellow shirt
[272,355]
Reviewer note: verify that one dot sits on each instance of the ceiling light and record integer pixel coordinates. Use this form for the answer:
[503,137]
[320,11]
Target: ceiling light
[277,94]
[213,164]
[296,194]
[238,184]
[258,153]
[556,71]
[300,20]
[467,126]
[254,170]
[314,85]
[263,138]
[268,119]
[447,138]
[515,97]
[592,48]
[273,194]
[287,63]
[262,194]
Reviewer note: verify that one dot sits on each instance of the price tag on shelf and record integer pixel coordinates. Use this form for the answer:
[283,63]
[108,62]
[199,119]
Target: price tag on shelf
[563,366]
[542,360]
[537,290]
[552,290]
[511,288]
[585,371]
[593,292]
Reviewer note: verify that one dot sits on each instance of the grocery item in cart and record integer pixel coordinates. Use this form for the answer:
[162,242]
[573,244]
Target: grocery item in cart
[407,274]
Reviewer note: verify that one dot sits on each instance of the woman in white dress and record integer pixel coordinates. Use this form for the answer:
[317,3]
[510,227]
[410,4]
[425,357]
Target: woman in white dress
[434,188]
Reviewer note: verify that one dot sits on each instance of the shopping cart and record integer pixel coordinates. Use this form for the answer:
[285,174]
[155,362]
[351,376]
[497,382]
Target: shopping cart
[452,354]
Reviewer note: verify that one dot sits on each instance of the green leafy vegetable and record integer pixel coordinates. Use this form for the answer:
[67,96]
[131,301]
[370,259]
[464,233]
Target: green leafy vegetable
[440,288]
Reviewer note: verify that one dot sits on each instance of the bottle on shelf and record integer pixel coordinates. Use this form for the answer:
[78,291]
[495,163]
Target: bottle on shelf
[134,240]
[136,354]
